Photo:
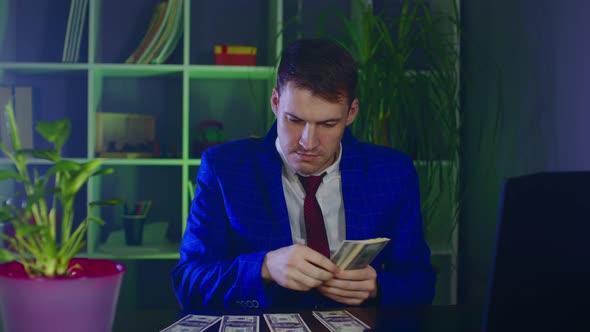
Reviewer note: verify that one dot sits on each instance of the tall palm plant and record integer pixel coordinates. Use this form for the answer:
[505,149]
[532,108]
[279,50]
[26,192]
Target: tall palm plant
[413,110]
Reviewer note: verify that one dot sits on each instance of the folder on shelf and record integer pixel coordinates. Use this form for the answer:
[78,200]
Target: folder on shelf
[74,30]
[155,22]
[171,36]
[22,101]
[5,98]
[23,113]
[158,31]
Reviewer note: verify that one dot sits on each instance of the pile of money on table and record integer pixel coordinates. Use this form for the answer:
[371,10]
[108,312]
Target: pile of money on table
[335,320]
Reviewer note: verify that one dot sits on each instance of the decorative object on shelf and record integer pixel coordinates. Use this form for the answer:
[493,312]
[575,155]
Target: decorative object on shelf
[43,277]
[133,220]
[210,134]
[123,135]
[133,226]
[235,55]
[163,34]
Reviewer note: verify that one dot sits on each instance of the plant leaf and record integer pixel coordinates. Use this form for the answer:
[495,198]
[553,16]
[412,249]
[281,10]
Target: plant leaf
[7,174]
[6,255]
[48,154]
[5,214]
[56,132]
[63,165]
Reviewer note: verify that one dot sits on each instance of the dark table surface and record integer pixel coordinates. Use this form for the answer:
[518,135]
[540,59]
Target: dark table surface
[431,318]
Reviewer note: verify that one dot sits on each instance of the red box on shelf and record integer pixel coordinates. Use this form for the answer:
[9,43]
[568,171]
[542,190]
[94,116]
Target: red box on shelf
[235,55]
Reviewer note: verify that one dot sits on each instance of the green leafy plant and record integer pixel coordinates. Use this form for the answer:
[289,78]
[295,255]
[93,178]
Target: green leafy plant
[42,214]
[412,108]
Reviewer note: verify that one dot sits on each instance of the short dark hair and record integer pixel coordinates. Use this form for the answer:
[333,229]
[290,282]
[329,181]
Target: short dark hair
[320,65]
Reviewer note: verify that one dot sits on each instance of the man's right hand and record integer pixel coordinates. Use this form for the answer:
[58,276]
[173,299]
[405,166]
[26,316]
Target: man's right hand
[297,267]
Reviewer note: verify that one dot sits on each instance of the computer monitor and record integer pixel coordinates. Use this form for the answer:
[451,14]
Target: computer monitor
[540,275]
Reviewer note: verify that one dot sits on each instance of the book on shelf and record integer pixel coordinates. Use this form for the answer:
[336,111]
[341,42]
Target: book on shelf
[163,34]
[356,254]
[5,98]
[169,40]
[155,21]
[158,30]
[74,30]
[22,101]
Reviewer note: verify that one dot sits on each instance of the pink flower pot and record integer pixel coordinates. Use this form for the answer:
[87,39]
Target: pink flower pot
[85,302]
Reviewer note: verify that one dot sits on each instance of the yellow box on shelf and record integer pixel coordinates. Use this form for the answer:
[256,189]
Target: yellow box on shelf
[125,135]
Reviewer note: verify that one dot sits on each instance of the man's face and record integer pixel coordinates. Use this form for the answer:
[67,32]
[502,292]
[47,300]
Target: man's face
[310,128]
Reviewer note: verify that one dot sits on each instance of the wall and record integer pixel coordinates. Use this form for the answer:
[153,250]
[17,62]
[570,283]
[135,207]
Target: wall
[527,60]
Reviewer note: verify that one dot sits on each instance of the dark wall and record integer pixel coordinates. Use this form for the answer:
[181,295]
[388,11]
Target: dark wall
[526,75]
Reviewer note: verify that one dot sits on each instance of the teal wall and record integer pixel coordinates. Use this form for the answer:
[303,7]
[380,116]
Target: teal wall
[529,62]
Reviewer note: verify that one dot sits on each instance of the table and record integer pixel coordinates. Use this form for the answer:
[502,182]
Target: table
[431,318]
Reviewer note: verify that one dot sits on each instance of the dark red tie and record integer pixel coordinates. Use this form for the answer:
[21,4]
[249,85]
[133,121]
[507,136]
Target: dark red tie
[314,220]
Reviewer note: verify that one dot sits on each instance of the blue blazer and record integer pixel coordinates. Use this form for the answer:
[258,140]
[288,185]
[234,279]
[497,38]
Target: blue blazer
[239,214]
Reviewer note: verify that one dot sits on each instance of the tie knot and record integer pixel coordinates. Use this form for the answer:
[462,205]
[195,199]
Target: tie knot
[311,183]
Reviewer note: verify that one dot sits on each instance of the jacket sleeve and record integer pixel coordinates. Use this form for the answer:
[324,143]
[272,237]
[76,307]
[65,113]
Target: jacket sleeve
[404,274]
[208,274]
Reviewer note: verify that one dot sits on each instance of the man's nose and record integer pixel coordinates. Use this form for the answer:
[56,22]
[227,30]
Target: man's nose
[308,138]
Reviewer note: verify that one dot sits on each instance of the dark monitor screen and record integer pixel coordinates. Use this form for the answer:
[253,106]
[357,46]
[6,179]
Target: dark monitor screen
[540,275]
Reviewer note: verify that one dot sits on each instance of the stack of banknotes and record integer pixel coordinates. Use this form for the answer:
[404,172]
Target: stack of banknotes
[335,320]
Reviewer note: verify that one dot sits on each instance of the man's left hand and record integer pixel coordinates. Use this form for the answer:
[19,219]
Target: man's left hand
[351,287]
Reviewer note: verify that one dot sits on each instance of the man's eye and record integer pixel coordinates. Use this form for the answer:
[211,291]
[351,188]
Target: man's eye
[329,124]
[294,120]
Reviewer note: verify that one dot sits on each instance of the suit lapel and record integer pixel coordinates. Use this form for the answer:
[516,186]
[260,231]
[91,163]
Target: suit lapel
[352,170]
[272,187]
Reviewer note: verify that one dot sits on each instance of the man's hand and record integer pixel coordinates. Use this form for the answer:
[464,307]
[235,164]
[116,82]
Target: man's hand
[297,267]
[351,287]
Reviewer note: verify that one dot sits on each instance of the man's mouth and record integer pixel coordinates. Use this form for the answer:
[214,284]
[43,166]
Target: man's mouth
[307,156]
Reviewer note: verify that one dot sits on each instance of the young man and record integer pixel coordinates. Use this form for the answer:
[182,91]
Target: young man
[249,240]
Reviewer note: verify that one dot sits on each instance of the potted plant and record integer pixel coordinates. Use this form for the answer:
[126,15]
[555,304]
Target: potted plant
[407,104]
[43,286]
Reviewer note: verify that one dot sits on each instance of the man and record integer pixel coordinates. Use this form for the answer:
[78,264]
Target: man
[247,242]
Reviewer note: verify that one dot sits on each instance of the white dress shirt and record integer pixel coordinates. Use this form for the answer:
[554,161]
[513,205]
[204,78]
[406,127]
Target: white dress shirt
[329,196]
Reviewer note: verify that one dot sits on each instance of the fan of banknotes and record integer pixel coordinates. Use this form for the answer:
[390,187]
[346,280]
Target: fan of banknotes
[334,320]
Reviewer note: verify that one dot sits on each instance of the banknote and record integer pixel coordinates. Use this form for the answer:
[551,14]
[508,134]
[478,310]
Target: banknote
[356,254]
[286,323]
[192,323]
[340,321]
[236,323]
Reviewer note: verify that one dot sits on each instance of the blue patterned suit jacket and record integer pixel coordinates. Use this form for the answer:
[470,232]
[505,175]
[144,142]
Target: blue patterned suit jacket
[239,214]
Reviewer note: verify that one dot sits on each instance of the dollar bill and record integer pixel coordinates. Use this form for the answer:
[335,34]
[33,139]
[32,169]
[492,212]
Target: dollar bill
[192,323]
[235,323]
[286,323]
[356,254]
[340,321]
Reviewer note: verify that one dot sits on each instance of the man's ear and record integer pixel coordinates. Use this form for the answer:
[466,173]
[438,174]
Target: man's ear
[274,101]
[352,111]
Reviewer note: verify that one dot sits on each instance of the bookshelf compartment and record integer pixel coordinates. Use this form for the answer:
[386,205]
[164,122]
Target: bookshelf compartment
[54,96]
[161,232]
[239,105]
[232,22]
[157,97]
[35,31]
[115,43]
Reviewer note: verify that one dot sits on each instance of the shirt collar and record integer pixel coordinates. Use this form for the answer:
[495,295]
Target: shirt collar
[331,171]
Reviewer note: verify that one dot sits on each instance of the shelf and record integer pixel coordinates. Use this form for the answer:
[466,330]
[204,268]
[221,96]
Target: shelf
[34,161]
[231,72]
[42,67]
[135,70]
[145,162]
[154,245]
